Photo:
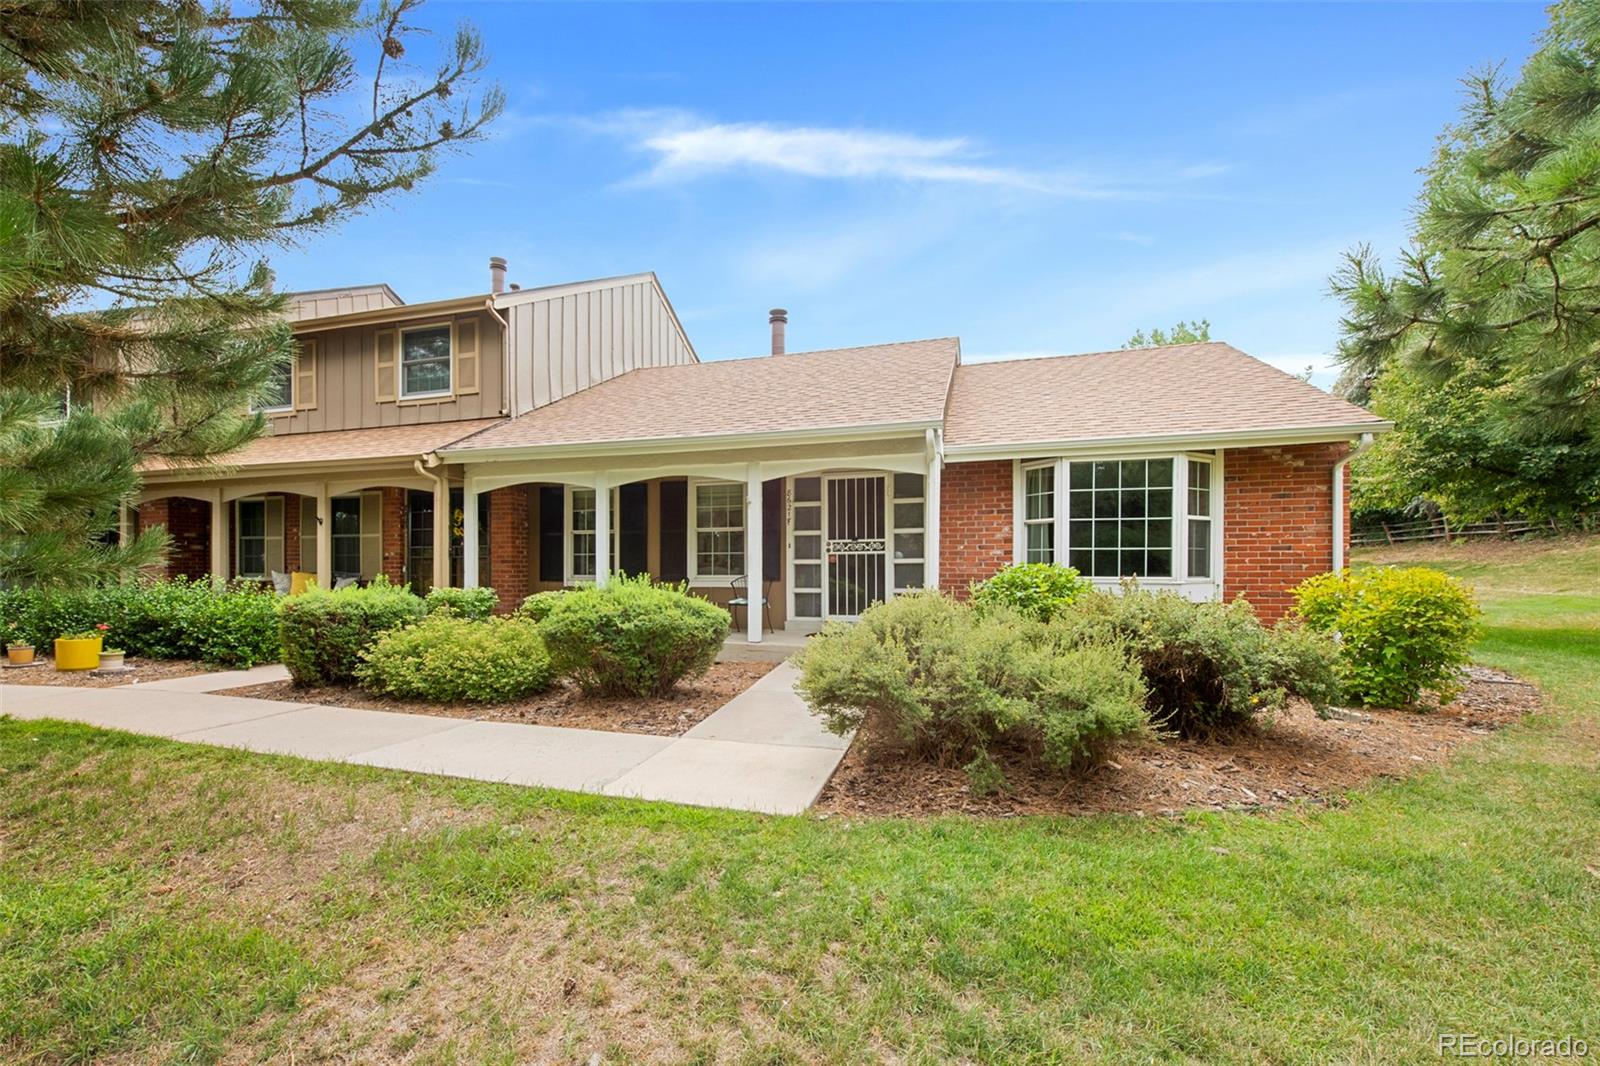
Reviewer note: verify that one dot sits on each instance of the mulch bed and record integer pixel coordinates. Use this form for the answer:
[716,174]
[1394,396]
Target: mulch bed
[1298,757]
[145,670]
[563,705]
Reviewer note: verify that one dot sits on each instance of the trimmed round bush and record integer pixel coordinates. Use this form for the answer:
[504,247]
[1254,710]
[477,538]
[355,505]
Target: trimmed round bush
[445,658]
[478,603]
[632,638]
[1402,631]
[952,684]
[1210,667]
[1037,590]
[537,608]
[324,633]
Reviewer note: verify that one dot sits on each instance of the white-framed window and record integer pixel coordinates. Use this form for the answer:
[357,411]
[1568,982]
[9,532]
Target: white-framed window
[581,533]
[908,511]
[1039,513]
[805,507]
[716,542]
[250,535]
[278,396]
[425,361]
[346,536]
[1198,510]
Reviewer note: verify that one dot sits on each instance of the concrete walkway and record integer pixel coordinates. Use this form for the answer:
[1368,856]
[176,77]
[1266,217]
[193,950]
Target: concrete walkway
[762,751]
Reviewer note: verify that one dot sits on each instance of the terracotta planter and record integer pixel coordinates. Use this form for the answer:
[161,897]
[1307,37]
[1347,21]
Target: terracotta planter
[111,660]
[81,654]
[19,654]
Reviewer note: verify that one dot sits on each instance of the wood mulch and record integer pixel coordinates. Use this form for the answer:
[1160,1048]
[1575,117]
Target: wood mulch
[144,670]
[563,705]
[1297,757]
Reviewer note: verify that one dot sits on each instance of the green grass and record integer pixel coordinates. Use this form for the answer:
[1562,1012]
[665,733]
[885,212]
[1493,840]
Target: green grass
[164,902]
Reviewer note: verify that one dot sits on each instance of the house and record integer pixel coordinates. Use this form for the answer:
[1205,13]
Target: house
[536,438]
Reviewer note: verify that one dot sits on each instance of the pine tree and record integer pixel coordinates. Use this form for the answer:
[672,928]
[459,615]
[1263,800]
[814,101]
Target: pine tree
[151,154]
[1182,333]
[1495,306]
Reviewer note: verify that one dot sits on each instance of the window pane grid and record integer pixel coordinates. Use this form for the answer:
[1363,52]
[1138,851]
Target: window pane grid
[1039,514]
[909,513]
[425,361]
[346,536]
[1119,520]
[719,530]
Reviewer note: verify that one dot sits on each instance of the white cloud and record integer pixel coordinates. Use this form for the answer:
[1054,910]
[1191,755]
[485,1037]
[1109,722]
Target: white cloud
[685,146]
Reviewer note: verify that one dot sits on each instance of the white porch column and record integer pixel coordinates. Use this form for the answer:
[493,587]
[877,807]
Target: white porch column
[219,536]
[324,538]
[754,586]
[602,530]
[469,533]
[441,531]
[930,520]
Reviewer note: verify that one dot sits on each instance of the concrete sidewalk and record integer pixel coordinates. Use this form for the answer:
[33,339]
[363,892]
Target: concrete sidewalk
[762,751]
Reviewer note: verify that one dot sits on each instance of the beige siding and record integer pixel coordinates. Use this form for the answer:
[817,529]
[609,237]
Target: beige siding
[325,302]
[347,384]
[569,341]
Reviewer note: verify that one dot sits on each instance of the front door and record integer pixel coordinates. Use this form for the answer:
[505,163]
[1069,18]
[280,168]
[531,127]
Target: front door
[855,546]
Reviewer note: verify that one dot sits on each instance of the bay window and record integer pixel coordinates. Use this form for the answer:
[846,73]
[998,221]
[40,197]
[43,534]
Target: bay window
[1149,517]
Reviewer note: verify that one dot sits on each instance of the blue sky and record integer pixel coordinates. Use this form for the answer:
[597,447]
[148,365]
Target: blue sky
[1035,179]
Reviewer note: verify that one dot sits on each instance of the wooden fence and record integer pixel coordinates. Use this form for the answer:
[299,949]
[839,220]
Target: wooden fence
[1441,529]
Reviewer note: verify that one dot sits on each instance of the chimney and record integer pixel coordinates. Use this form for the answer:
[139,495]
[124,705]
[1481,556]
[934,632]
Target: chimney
[497,274]
[779,318]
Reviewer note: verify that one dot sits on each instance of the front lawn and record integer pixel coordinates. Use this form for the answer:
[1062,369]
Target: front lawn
[160,901]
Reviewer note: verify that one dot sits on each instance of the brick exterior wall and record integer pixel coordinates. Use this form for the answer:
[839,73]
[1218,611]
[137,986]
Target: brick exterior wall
[510,568]
[1278,521]
[975,523]
[394,535]
[188,524]
[291,533]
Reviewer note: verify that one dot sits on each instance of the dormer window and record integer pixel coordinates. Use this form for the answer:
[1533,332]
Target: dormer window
[425,362]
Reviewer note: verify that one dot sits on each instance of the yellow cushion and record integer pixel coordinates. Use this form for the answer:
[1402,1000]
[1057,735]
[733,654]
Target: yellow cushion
[298,580]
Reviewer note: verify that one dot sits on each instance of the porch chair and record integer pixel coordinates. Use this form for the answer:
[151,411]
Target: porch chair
[742,599]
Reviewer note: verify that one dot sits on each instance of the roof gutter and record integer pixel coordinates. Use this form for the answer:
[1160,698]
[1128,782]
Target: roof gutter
[969,453]
[681,443]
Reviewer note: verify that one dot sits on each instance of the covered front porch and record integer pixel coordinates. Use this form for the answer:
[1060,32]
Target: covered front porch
[788,536]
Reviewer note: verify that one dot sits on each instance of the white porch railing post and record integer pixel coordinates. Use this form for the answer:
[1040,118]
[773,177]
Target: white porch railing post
[602,530]
[469,533]
[755,587]
[219,536]
[930,520]
[324,538]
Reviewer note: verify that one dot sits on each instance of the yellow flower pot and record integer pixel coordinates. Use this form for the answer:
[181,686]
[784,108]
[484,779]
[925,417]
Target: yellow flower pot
[77,654]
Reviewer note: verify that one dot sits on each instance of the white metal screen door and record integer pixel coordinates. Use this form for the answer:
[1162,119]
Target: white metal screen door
[855,544]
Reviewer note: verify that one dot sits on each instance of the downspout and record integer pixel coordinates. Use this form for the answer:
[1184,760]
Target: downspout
[1338,499]
[507,363]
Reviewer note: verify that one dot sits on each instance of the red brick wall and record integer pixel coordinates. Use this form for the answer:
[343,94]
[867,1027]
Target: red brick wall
[510,568]
[975,523]
[291,533]
[188,524]
[394,535]
[1278,521]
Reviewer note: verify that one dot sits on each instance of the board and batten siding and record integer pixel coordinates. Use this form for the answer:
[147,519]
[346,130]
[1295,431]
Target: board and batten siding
[346,396]
[325,302]
[569,341]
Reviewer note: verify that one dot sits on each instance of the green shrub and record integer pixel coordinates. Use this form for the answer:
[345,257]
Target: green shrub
[537,608]
[1402,630]
[232,625]
[954,684]
[1036,590]
[324,633]
[445,658]
[478,603]
[632,637]
[1209,666]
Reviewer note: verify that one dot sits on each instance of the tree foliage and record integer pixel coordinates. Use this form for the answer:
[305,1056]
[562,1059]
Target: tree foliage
[150,154]
[1182,333]
[1484,344]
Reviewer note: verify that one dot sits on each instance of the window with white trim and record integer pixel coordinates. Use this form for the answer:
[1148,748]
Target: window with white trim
[908,510]
[1039,514]
[278,394]
[581,526]
[718,529]
[251,537]
[425,362]
[1199,515]
[806,548]
[1119,517]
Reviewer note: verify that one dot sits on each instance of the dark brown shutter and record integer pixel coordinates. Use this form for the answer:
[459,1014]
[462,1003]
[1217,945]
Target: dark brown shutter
[633,534]
[552,498]
[674,532]
[771,530]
